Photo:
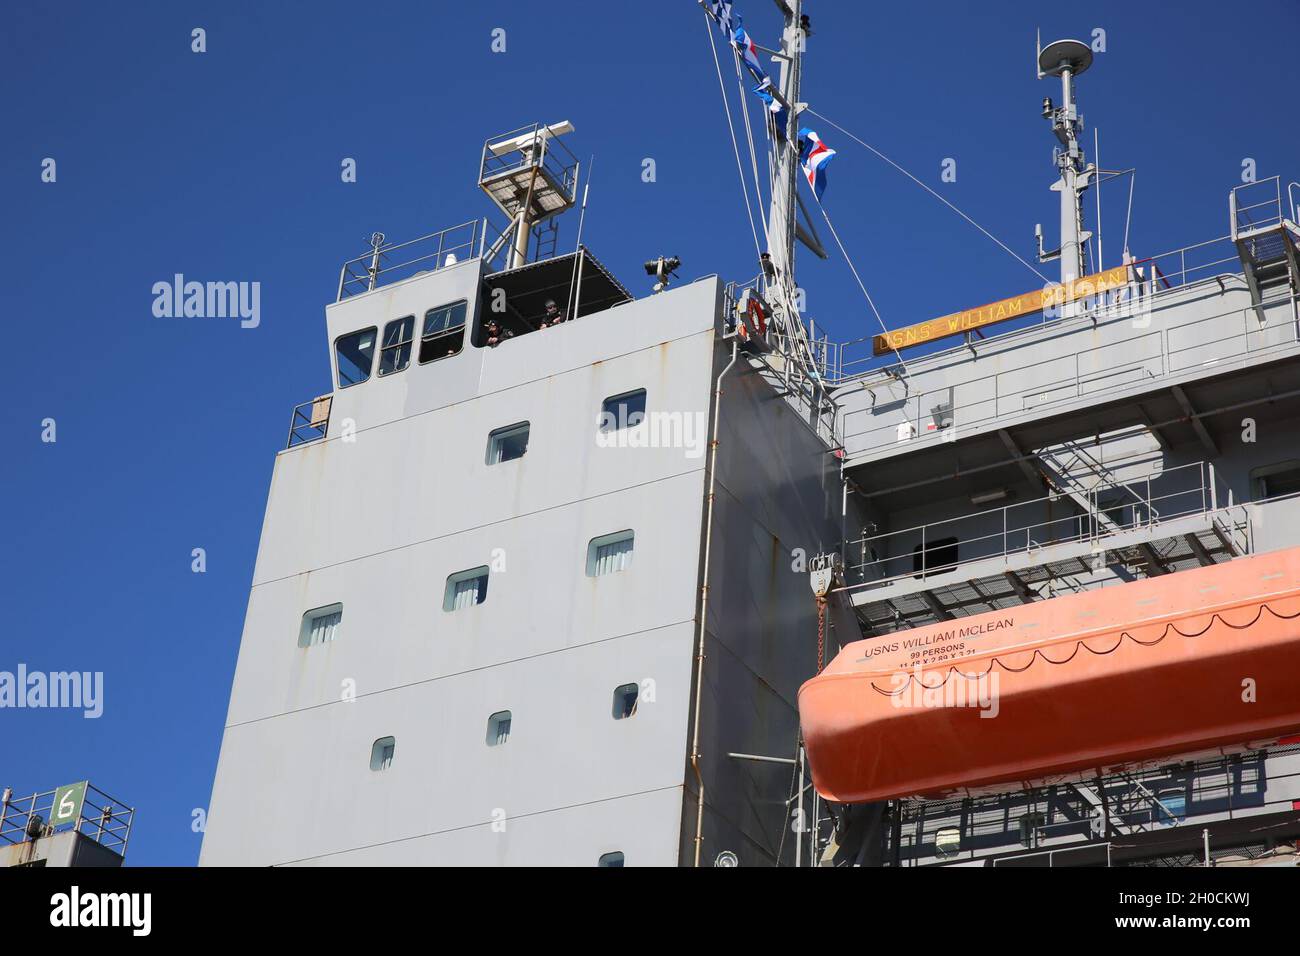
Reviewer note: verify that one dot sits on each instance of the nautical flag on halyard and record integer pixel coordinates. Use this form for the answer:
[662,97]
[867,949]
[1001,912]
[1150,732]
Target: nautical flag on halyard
[748,51]
[721,10]
[779,115]
[814,155]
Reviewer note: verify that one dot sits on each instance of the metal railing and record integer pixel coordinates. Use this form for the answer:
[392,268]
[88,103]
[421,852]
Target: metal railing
[1089,372]
[1151,278]
[102,818]
[1257,205]
[1213,788]
[803,387]
[397,261]
[310,421]
[556,159]
[927,550]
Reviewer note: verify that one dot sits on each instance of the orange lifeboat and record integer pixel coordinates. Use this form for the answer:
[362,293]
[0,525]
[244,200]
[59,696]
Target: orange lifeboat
[1195,661]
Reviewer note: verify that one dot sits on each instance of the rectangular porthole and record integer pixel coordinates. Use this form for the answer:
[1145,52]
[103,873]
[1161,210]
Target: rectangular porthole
[610,553]
[320,626]
[625,698]
[622,411]
[381,753]
[498,729]
[507,444]
[466,589]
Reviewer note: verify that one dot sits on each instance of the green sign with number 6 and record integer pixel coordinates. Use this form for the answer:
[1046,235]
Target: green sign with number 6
[67,803]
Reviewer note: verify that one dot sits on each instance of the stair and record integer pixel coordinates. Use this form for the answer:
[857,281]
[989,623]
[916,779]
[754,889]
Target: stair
[1073,470]
[1266,241]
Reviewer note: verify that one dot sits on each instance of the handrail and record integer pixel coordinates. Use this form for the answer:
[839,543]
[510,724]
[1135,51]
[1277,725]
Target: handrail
[1200,495]
[448,246]
[1164,358]
[306,426]
[108,821]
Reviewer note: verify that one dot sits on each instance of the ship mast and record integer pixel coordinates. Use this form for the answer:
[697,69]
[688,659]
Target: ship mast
[781,215]
[1067,59]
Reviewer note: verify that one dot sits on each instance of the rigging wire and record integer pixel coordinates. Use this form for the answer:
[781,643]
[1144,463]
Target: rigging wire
[753,156]
[990,235]
[735,146]
[852,268]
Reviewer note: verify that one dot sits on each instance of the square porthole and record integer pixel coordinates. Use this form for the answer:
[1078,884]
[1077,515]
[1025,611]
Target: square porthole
[465,589]
[381,753]
[610,553]
[320,626]
[498,728]
[507,444]
[625,698]
[610,860]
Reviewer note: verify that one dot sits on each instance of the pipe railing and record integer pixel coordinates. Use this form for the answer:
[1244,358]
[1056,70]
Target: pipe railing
[1091,372]
[921,551]
[397,261]
[103,819]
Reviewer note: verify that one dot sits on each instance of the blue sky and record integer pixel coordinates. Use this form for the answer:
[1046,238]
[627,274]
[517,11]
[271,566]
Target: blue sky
[226,166]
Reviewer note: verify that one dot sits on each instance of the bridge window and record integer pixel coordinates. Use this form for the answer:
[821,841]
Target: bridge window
[320,626]
[395,353]
[356,353]
[443,333]
[507,444]
[466,589]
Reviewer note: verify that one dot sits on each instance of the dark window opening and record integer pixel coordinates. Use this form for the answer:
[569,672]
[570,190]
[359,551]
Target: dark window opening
[356,353]
[507,444]
[1276,481]
[625,698]
[516,298]
[934,557]
[610,860]
[623,411]
[395,352]
[443,333]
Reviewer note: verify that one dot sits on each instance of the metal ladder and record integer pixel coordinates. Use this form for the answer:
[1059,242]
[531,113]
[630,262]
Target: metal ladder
[546,238]
[1266,240]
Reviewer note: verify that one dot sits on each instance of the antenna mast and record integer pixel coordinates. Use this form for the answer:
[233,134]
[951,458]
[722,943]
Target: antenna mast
[781,219]
[1067,59]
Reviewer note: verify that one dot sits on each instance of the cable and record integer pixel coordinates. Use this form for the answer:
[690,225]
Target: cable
[852,268]
[708,26]
[753,157]
[990,235]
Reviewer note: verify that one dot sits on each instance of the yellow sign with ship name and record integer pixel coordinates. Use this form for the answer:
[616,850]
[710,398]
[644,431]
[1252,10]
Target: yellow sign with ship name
[1001,311]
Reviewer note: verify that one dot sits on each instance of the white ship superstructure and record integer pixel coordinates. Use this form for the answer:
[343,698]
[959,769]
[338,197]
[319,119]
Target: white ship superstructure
[528,588]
